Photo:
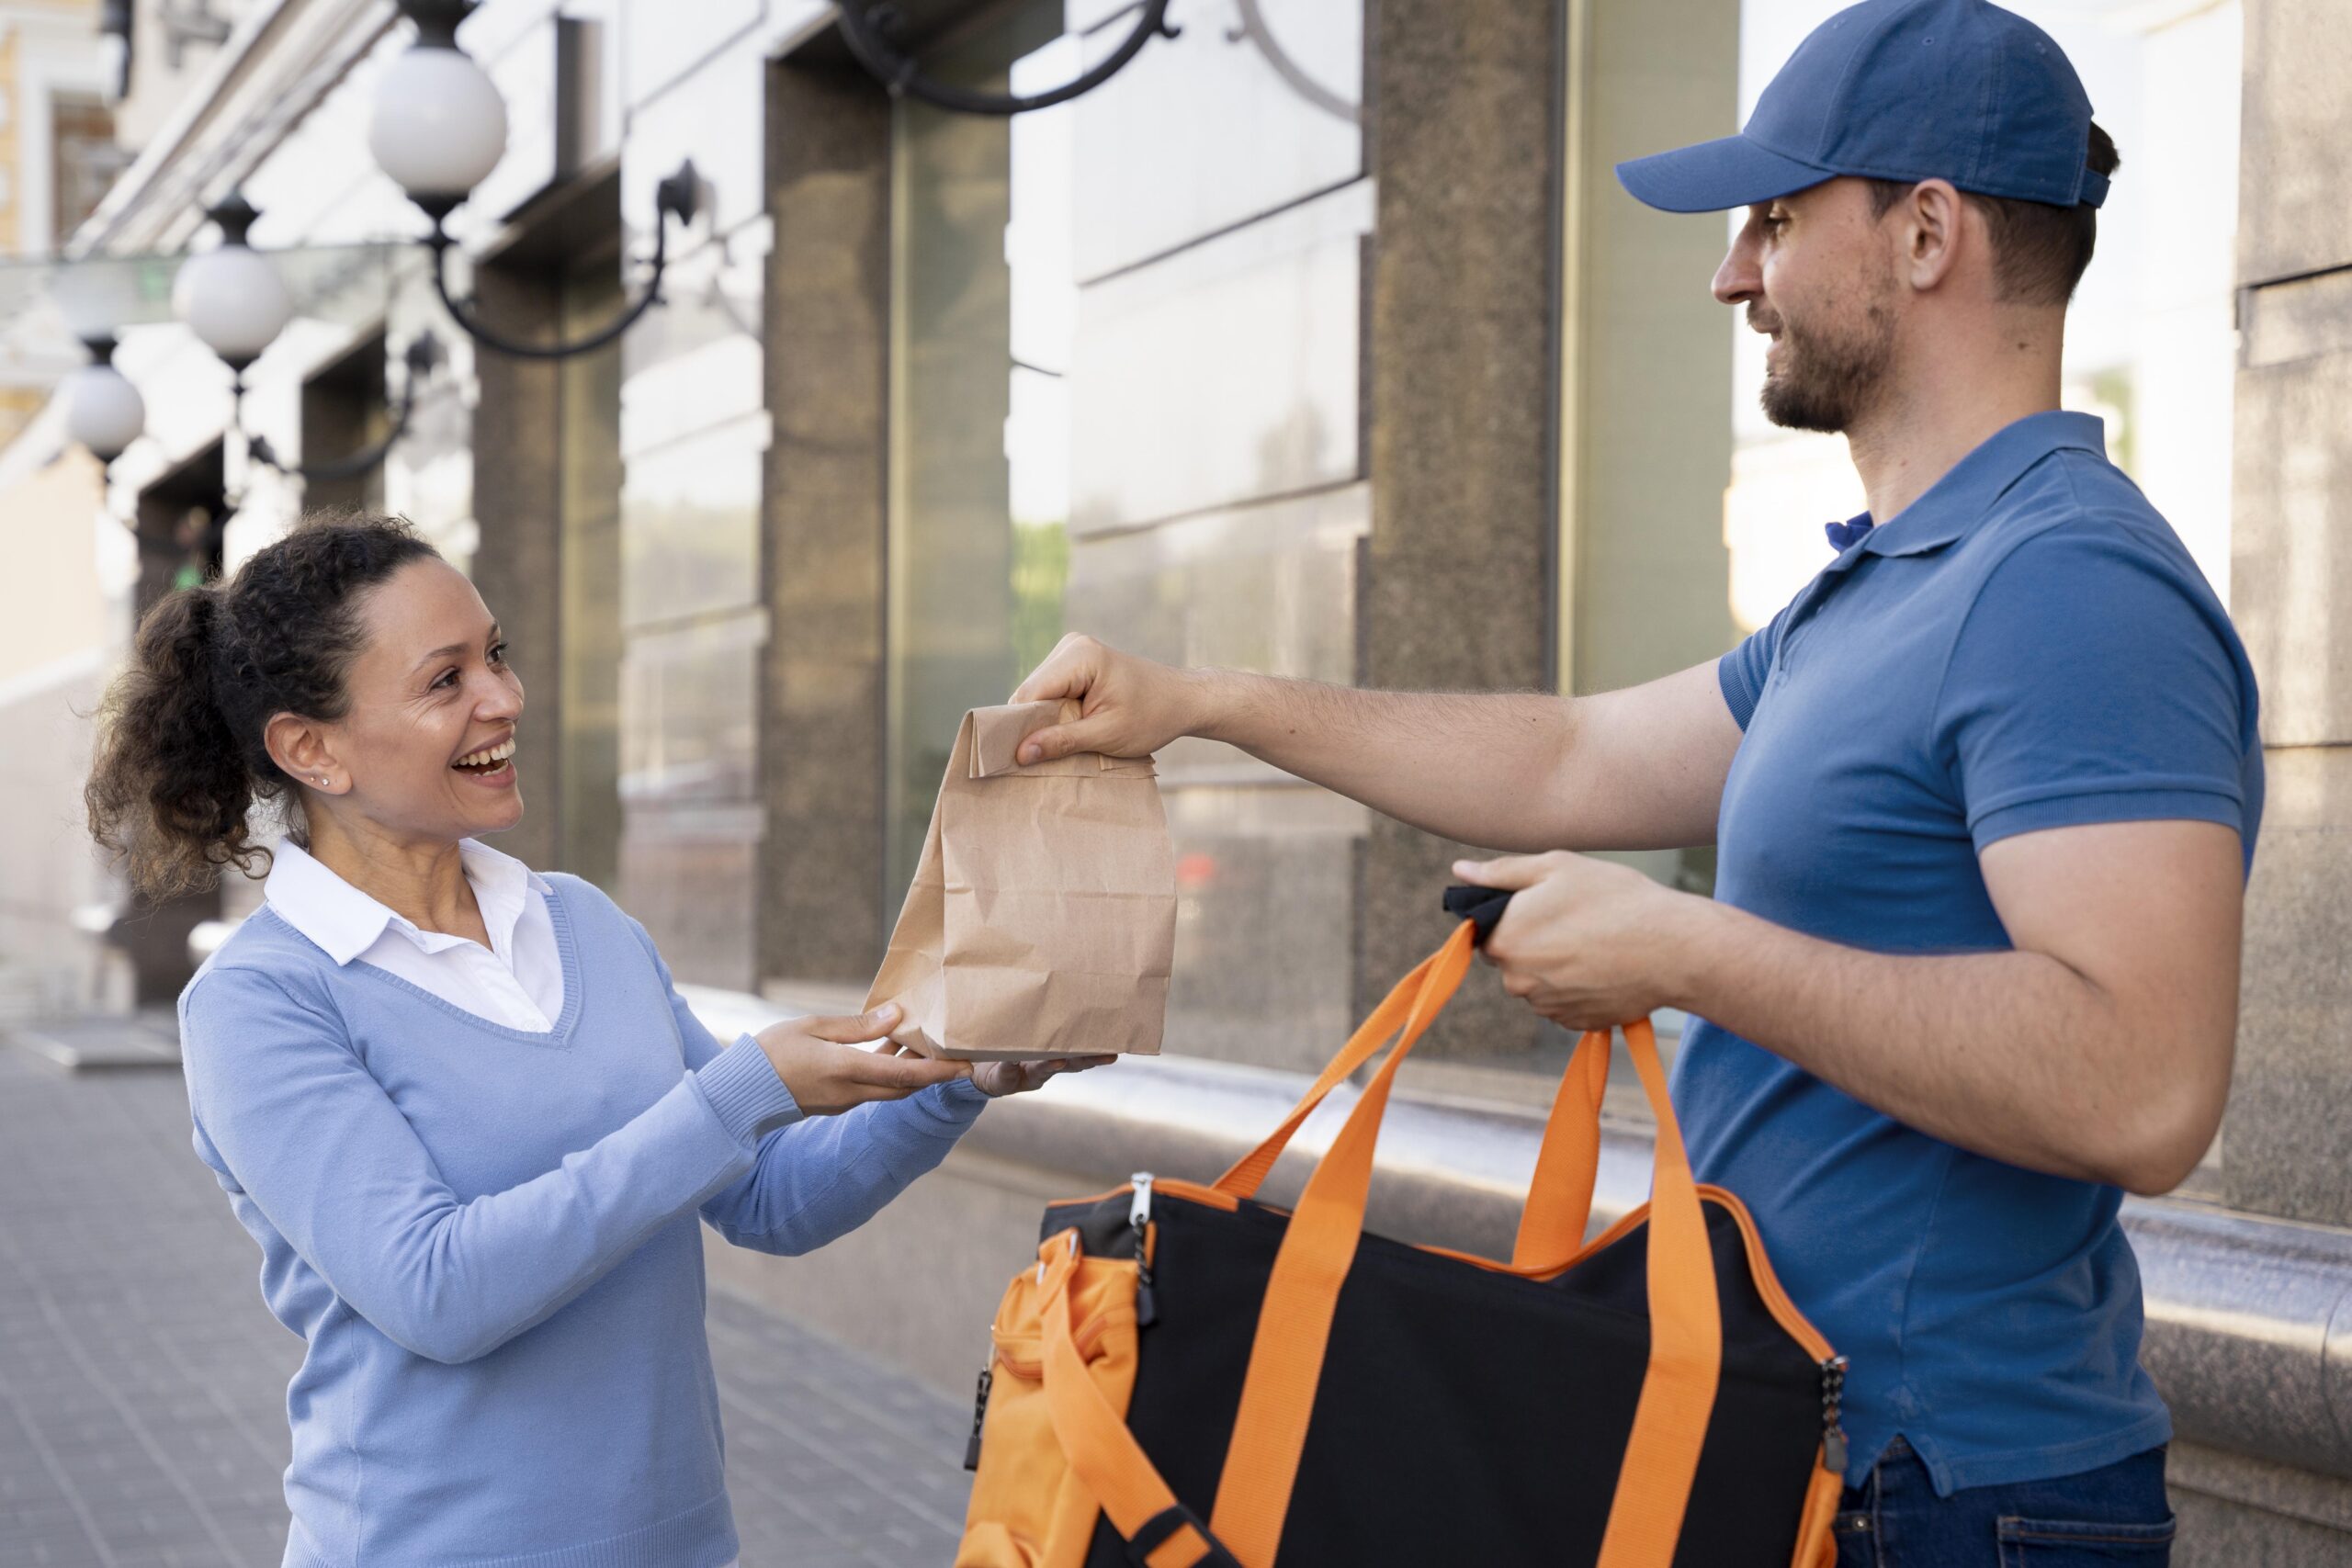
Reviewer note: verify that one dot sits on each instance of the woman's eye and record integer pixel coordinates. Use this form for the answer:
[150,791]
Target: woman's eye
[449,678]
[498,653]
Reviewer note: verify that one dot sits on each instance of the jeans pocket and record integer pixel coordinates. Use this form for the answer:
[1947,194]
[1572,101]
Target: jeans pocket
[1856,1535]
[2084,1543]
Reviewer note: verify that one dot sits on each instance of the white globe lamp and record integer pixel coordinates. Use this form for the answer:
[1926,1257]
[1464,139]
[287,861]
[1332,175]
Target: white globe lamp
[233,297]
[103,411]
[438,125]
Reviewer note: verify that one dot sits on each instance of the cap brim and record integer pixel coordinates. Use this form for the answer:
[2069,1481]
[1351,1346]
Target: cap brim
[1714,177]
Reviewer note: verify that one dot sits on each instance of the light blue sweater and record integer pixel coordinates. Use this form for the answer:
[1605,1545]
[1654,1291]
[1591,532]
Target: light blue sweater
[488,1239]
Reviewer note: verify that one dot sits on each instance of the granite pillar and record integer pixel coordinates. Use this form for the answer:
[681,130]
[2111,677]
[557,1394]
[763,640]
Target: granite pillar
[517,566]
[2282,1147]
[822,730]
[1463,135]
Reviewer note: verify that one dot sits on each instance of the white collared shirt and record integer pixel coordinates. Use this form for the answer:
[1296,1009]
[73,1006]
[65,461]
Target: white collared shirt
[517,981]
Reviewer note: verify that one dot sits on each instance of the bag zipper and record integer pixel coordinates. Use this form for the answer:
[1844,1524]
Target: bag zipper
[1140,1216]
[1833,1393]
[980,1414]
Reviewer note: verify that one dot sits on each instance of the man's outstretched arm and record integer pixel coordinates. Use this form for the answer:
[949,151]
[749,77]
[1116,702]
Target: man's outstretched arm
[2098,1048]
[1642,768]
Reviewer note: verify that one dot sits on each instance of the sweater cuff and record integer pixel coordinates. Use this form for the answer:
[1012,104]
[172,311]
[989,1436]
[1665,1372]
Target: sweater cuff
[744,1089]
[959,1100]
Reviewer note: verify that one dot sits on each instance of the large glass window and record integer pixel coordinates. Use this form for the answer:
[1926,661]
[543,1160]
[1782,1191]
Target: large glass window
[694,439]
[985,314]
[1125,400]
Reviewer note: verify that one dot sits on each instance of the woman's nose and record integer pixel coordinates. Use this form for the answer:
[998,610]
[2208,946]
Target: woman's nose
[500,699]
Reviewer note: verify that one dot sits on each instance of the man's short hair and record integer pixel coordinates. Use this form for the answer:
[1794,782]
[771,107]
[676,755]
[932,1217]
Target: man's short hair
[2038,251]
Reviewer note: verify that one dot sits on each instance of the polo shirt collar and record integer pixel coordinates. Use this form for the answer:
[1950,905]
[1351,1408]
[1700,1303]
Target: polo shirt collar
[345,922]
[1947,508]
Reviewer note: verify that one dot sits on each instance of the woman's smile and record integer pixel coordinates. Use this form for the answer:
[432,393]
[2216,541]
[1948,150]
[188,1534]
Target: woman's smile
[491,766]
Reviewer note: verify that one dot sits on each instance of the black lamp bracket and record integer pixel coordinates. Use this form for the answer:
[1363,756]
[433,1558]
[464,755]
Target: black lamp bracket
[422,357]
[871,27]
[679,195]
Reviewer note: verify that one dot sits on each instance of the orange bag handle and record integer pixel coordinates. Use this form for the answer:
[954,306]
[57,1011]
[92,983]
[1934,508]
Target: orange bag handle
[1095,1439]
[1559,1204]
[1402,1004]
[1559,1197]
[1294,1323]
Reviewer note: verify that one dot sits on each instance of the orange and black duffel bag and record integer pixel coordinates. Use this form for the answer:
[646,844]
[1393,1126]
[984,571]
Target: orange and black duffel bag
[1187,1376]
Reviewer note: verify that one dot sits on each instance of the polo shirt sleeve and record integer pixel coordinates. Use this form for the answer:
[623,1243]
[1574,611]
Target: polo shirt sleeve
[1742,671]
[2095,679]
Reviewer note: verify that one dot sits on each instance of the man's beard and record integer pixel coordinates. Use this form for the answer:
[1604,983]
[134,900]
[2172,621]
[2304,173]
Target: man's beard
[1827,381]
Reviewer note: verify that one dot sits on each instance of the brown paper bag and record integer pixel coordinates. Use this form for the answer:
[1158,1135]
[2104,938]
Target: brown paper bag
[1042,916]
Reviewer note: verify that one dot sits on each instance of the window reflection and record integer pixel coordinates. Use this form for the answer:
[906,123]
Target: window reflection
[1125,400]
[986,312]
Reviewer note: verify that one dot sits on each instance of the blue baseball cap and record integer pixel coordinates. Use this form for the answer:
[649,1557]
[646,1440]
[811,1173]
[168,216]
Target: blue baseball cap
[1957,90]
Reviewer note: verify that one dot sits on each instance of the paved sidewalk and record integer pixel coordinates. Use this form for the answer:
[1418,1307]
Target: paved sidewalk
[142,1417]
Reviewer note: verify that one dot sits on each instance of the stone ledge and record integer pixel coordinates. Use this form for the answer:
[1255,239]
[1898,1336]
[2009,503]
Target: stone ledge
[2249,1320]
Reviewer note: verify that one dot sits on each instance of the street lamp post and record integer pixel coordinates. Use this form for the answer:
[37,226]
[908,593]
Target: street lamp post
[103,411]
[233,297]
[438,127]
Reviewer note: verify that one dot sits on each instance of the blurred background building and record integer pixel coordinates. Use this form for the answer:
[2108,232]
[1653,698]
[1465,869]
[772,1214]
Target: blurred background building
[1319,340]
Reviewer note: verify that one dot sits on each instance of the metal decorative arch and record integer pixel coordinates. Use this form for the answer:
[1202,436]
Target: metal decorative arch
[867,26]
[1254,31]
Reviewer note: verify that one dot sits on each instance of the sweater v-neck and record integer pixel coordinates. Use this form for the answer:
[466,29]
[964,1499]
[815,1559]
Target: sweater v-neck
[566,954]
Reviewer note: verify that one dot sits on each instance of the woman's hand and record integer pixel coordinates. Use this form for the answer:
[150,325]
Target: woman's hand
[997,1080]
[822,1061]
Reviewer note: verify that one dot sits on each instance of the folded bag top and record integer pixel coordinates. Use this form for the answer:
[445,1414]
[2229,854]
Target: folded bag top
[1042,918]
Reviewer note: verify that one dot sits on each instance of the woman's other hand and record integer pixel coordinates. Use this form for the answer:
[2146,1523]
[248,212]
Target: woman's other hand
[997,1080]
[823,1062]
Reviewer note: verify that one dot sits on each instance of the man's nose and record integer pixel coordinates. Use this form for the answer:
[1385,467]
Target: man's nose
[1738,279]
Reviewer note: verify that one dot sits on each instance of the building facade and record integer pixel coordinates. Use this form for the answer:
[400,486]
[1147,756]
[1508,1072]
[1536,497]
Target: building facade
[1318,341]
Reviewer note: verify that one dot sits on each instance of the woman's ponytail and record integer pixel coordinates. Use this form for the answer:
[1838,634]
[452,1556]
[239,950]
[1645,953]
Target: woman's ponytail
[181,754]
[169,789]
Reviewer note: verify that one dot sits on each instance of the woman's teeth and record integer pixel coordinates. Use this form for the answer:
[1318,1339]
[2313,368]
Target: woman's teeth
[488,757]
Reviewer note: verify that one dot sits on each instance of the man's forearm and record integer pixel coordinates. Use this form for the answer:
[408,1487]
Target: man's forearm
[2012,1055]
[1480,768]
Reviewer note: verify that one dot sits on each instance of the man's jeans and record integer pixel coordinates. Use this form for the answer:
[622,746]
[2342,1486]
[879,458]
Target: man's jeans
[2114,1518]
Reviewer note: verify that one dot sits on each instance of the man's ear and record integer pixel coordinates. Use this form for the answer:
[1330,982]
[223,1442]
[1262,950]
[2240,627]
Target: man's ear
[301,747]
[1934,216]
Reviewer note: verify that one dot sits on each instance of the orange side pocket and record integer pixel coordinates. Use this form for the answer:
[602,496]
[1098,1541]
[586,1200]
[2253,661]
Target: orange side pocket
[1028,1510]
[1817,1546]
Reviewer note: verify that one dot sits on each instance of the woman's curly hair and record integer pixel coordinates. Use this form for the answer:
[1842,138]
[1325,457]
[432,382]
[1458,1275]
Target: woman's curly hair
[180,757]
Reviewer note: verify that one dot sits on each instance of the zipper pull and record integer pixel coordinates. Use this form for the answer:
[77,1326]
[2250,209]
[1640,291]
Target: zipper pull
[1833,1436]
[980,1414]
[1140,1216]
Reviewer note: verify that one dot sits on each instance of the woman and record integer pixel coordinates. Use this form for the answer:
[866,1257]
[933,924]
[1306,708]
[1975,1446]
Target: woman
[460,1103]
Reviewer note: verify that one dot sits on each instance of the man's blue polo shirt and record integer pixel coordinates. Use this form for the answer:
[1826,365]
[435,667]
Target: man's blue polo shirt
[2026,646]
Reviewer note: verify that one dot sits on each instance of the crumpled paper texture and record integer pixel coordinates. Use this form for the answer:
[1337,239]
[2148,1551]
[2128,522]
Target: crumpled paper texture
[1042,920]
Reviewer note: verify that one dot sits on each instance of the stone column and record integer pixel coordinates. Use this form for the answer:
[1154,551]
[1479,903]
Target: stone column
[517,566]
[823,726]
[1463,135]
[2291,571]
